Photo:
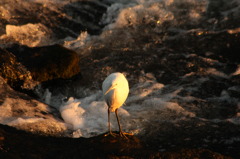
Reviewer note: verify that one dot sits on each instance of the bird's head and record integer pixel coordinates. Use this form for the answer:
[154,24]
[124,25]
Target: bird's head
[114,85]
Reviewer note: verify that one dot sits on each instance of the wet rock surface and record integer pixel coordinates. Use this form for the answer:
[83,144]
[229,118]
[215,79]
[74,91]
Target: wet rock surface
[206,78]
[14,72]
[198,65]
[168,59]
[195,134]
[196,140]
[19,144]
[52,66]
[49,62]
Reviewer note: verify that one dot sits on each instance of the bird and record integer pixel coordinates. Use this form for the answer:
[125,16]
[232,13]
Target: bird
[115,90]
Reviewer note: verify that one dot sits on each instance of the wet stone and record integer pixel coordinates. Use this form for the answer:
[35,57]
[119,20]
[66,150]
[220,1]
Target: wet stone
[19,144]
[48,62]
[13,71]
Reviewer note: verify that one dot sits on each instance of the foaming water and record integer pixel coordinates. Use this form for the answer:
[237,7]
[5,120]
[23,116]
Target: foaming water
[88,116]
[30,34]
[147,102]
[135,17]
[135,25]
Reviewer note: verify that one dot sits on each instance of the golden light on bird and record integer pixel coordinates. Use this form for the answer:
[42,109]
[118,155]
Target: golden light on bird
[115,90]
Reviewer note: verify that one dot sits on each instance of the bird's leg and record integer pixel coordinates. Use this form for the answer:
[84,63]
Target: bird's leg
[120,129]
[109,125]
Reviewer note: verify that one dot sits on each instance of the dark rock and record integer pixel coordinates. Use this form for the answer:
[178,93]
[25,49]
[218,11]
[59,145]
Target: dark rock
[186,53]
[19,144]
[14,72]
[48,62]
[224,45]
[194,135]
[89,13]
[236,79]
[67,87]
[193,153]
[24,68]
[234,91]
[212,88]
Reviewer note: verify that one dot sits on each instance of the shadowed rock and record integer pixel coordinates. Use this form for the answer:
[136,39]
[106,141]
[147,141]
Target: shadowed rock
[15,143]
[13,71]
[48,62]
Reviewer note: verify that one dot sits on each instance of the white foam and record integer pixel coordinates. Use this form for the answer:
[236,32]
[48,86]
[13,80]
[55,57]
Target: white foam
[75,44]
[143,89]
[88,116]
[16,121]
[160,104]
[30,34]
[72,114]
[29,115]
[87,119]
[47,96]
[137,14]
[134,13]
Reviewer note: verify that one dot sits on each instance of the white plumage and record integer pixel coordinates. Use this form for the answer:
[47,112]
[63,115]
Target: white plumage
[115,90]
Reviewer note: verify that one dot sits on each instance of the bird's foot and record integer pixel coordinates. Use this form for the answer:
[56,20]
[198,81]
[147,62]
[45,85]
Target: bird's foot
[123,134]
[111,134]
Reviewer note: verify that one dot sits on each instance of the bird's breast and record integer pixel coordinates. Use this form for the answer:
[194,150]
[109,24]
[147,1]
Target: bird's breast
[115,98]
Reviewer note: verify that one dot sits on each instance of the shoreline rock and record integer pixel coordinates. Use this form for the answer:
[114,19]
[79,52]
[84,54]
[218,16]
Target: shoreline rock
[48,62]
[25,68]
[14,72]
[15,143]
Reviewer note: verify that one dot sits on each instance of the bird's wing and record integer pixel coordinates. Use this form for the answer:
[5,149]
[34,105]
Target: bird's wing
[112,100]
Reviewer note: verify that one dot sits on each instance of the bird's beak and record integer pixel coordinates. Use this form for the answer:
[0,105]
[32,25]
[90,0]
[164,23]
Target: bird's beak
[112,87]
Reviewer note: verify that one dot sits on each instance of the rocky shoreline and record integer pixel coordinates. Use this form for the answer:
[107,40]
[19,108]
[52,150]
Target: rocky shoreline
[19,144]
[43,142]
[202,56]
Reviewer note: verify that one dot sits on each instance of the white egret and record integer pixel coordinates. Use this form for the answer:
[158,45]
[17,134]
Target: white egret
[115,89]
